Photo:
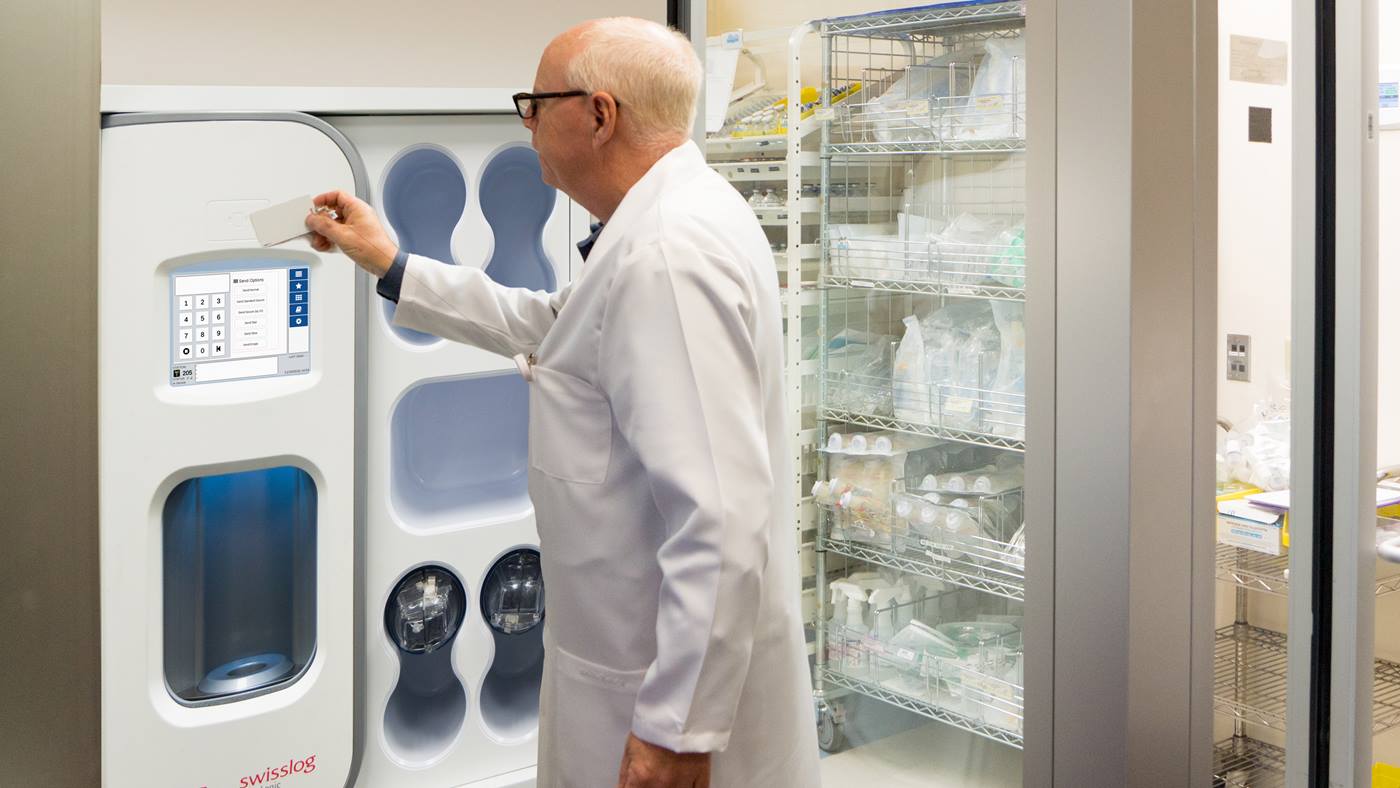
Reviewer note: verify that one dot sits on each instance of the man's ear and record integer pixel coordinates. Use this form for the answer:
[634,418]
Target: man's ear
[604,108]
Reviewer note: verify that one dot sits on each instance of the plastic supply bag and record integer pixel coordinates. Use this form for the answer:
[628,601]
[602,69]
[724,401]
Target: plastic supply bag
[909,110]
[961,348]
[962,252]
[852,247]
[1006,409]
[861,384]
[1258,453]
[1008,265]
[911,382]
[996,107]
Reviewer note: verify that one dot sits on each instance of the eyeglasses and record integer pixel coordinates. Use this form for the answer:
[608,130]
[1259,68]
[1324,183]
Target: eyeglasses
[525,103]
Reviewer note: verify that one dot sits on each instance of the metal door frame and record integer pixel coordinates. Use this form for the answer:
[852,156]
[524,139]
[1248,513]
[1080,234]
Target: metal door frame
[50,691]
[1126,696]
[1332,639]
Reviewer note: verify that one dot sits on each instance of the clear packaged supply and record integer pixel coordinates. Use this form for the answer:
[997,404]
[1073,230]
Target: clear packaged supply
[964,251]
[948,359]
[916,105]
[860,377]
[864,470]
[996,107]
[851,245]
[1006,405]
[912,396]
[1256,452]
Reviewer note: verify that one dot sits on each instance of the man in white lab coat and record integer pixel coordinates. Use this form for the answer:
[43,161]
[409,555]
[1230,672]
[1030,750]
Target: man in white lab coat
[658,469]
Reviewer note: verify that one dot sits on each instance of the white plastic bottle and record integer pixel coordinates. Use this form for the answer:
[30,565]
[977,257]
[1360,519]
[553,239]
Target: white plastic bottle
[856,599]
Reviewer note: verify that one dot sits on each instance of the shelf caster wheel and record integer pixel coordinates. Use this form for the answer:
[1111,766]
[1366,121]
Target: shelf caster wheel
[831,726]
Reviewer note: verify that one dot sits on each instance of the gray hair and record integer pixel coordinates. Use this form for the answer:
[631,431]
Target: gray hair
[652,71]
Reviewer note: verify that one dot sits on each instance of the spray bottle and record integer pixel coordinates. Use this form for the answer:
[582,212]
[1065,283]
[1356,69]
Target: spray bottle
[855,606]
[838,607]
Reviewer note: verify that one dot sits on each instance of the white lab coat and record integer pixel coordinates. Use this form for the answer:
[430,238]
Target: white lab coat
[660,479]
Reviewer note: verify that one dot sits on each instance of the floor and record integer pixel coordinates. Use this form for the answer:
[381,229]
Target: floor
[931,756]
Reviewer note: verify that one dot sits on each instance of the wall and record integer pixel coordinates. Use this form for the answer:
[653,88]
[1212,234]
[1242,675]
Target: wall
[728,15]
[49,685]
[1254,214]
[1388,418]
[357,43]
[1255,209]
[1387,745]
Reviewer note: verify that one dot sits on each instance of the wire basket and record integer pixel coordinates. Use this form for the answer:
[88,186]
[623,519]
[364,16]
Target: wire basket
[982,683]
[954,411]
[971,269]
[935,124]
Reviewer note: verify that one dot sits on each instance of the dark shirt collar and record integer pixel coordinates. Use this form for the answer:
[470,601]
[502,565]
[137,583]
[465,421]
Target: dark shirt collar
[586,245]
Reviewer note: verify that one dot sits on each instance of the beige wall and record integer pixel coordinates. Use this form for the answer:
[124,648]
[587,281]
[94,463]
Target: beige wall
[356,43]
[727,15]
[1388,416]
[1255,201]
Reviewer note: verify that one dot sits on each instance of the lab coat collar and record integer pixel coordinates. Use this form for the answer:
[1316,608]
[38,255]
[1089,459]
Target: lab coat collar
[677,163]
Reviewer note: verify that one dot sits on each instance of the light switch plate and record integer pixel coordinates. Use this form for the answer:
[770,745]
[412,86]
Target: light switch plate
[1237,364]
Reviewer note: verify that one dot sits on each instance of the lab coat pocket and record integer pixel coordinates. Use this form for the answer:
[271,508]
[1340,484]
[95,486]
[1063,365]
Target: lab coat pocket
[570,427]
[590,718]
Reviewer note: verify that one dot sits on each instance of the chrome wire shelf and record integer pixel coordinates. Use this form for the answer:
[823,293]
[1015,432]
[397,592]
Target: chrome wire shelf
[1242,762]
[915,428]
[983,270]
[1251,679]
[1267,574]
[911,20]
[1013,145]
[998,580]
[836,678]
[1251,675]
[1251,569]
[988,291]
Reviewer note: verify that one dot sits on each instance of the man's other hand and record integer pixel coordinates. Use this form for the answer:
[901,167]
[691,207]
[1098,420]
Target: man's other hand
[646,765]
[355,230]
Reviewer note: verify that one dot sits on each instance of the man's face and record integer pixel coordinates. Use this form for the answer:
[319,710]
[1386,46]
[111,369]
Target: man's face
[559,128]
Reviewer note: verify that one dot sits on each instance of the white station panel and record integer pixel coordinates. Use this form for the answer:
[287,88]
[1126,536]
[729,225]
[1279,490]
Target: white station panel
[446,460]
[227,458]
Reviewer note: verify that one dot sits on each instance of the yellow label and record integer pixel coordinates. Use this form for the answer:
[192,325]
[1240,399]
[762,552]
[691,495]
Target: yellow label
[1383,775]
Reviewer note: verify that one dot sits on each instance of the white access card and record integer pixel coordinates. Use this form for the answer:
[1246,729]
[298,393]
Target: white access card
[282,222]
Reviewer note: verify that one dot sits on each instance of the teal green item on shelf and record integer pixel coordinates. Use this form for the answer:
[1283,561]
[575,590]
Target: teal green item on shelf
[1011,267]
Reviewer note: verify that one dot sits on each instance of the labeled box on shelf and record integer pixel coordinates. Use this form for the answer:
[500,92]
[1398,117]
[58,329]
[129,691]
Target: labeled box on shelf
[1240,523]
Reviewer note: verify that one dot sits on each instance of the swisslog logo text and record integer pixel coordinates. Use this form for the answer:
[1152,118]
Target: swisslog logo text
[267,776]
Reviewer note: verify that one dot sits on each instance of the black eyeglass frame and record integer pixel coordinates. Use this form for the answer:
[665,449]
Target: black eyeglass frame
[527,109]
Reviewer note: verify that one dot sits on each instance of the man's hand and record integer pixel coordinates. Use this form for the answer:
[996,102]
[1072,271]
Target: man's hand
[356,230]
[646,765]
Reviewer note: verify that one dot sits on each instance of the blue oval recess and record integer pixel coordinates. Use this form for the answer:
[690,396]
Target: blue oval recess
[517,203]
[425,194]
